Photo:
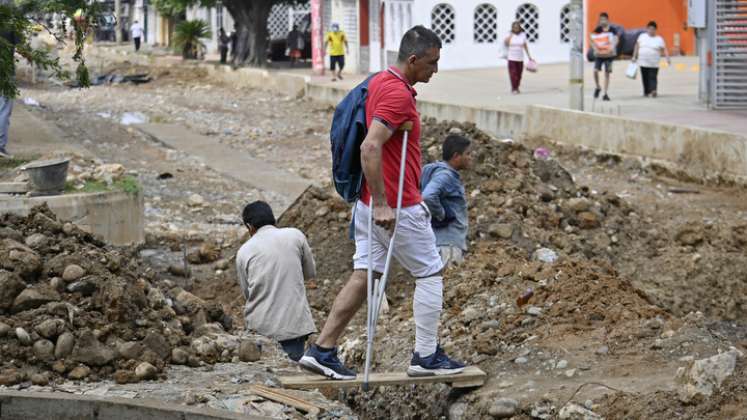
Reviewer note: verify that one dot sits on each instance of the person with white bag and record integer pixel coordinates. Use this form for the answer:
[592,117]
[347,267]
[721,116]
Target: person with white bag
[647,54]
[516,45]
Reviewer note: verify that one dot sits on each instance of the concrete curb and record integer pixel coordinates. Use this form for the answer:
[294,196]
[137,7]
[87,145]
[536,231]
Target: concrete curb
[15,405]
[701,154]
[117,217]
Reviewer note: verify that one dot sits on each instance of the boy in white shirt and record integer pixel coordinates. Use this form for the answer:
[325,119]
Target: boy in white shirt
[648,51]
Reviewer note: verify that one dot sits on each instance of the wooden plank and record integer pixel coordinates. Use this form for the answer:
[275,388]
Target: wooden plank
[285,398]
[471,377]
[14,187]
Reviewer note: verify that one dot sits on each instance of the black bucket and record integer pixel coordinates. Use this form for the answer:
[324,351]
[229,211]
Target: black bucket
[47,176]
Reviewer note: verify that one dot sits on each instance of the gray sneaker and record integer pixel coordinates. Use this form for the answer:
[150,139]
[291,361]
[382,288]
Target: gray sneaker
[4,154]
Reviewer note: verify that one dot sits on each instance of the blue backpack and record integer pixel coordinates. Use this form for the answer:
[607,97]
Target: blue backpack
[347,133]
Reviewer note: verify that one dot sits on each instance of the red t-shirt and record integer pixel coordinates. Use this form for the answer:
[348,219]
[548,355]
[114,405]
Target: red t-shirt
[391,100]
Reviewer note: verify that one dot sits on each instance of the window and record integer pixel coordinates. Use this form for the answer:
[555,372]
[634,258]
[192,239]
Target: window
[528,15]
[486,24]
[442,22]
[565,24]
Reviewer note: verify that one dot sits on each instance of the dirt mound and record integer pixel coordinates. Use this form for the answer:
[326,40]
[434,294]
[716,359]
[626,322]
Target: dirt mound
[518,205]
[69,305]
[531,227]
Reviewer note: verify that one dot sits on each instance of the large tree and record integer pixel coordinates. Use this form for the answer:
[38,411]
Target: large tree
[250,17]
[19,19]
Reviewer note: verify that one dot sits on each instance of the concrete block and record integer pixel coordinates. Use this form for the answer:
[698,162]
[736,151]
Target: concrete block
[15,405]
[117,217]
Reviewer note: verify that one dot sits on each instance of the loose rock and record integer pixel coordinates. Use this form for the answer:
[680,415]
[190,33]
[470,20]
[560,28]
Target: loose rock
[4,329]
[503,408]
[79,372]
[704,376]
[37,240]
[130,350]
[10,287]
[40,379]
[51,328]
[179,356]
[23,336]
[249,351]
[73,272]
[145,371]
[90,351]
[64,346]
[33,298]
[573,411]
[10,377]
[44,350]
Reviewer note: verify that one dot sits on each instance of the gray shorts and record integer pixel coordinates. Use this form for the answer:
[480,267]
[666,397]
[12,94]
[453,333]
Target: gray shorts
[414,247]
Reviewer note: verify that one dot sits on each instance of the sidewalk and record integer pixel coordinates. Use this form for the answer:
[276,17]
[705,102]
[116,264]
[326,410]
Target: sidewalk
[31,136]
[489,88]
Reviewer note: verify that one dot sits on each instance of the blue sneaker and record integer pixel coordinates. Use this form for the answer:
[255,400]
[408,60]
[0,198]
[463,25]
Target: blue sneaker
[325,363]
[437,363]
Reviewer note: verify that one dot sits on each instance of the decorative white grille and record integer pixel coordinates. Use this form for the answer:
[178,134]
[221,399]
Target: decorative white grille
[301,16]
[486,24]
[528,15]
[443,22]
[565,24]
[277,23]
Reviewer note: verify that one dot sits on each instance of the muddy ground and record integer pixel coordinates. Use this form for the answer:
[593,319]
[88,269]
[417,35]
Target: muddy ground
[651,270]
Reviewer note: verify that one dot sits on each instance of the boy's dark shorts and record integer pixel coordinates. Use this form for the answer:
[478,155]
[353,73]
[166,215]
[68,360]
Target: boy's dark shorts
[603,61]
[336,59]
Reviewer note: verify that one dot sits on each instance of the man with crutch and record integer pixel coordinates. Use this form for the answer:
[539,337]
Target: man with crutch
[389,108]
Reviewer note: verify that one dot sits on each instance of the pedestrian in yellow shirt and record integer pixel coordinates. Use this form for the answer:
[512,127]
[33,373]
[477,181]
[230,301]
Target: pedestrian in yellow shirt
[334,44]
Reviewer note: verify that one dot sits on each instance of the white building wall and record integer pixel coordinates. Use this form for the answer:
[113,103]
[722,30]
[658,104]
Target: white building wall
[464,52]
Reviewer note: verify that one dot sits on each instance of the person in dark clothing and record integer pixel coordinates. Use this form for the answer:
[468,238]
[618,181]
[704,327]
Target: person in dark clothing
[233,38]
[296,44]
[223,42]
[6,103]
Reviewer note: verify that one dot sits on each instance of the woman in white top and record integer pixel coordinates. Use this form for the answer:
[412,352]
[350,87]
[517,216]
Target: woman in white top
[516,44]
[648,51]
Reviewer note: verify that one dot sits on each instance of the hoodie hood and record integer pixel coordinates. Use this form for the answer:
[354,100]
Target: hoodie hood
[430,169]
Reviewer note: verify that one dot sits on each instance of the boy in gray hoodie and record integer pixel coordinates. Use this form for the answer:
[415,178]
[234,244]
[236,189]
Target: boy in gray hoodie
[443,193]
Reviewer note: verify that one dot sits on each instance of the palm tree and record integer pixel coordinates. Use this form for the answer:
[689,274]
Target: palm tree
[187,38]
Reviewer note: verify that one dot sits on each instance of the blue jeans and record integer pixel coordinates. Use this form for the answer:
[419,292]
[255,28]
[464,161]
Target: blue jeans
[295,347]
[6,107]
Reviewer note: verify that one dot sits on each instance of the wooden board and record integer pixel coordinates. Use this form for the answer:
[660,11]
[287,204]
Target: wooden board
[284,398]
[471,377]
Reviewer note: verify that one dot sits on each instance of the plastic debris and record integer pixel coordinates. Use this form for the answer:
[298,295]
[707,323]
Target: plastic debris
[130,118]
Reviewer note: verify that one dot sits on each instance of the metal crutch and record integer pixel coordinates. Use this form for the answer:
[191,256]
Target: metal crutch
[376,288]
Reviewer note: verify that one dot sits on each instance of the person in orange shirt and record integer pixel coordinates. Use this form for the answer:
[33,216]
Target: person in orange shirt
[604,43]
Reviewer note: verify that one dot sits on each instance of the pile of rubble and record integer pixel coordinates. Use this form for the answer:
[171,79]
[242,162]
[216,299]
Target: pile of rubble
[531,228]
[72,307]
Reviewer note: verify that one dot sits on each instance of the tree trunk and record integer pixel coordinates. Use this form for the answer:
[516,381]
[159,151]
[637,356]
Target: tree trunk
[251,29]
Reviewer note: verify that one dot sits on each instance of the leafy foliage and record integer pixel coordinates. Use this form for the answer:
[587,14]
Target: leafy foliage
[188,35]
[20,18]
